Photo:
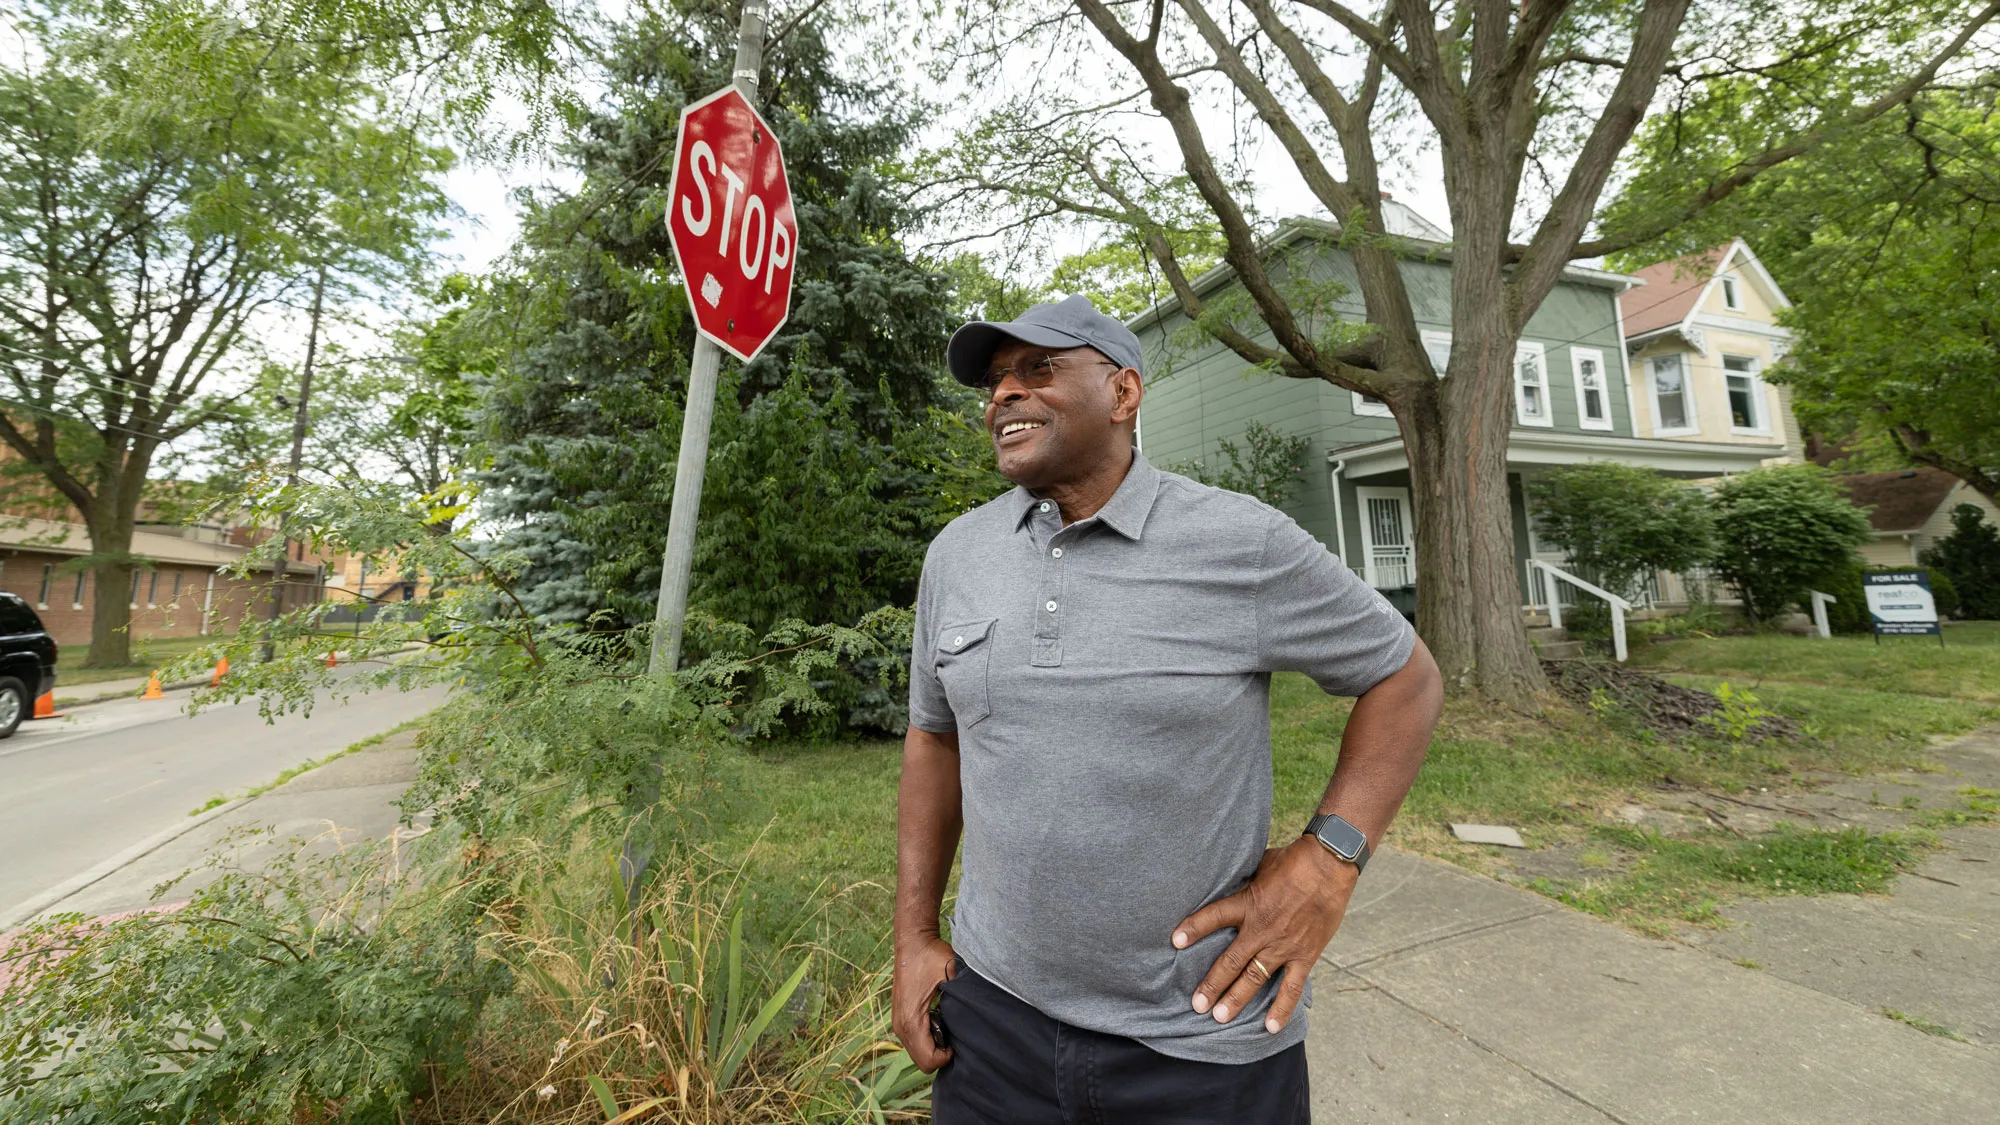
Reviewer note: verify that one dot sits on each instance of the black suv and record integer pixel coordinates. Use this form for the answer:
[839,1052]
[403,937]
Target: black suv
[27,662]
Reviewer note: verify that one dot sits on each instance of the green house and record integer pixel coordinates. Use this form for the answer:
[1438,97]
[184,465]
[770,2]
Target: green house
[1573,402]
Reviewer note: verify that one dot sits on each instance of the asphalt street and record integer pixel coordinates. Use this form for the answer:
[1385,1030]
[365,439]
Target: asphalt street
[80,790]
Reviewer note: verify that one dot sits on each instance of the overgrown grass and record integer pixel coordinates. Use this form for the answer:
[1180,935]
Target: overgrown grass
[1685,879]
[1966,666]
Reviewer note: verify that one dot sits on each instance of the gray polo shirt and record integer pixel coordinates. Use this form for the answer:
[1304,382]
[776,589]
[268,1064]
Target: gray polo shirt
[1110,685]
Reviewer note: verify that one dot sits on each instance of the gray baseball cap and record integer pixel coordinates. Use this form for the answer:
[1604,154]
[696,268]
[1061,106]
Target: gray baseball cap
[1069,323]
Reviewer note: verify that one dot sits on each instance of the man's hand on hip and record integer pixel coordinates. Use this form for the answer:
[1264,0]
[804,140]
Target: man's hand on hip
[1283,920]
[923,964]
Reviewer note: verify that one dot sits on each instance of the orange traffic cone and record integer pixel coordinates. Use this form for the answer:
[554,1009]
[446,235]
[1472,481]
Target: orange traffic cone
[153,688]
[329,658]
[45,706]
[221,670]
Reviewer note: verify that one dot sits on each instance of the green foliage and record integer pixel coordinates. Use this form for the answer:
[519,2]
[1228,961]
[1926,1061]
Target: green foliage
[1779,530]
[1970,558]
[1738,717]
[834,456]
[1619,523]
[321,984]
[1268,467]
[1882,236]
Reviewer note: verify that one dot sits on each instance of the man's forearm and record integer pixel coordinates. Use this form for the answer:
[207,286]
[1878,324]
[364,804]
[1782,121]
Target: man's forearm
[928,822]
[1383,746]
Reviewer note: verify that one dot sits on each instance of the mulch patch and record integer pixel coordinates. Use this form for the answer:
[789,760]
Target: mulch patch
[1668,709]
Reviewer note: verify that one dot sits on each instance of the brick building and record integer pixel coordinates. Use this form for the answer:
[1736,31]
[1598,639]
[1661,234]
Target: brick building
[182,589]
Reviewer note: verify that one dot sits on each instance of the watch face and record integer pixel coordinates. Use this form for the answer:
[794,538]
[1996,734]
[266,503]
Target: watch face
[1345,839]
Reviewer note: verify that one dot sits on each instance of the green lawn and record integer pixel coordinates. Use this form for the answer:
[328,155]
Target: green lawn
[808,818]
[1966,666]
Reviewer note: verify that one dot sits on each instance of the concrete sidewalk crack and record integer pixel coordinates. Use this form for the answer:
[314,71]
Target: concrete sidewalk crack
[1531,1072]
[1435,939]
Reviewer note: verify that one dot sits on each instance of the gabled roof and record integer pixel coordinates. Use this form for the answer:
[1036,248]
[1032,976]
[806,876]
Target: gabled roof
[1903,499]
[1676,288]
[1673,289]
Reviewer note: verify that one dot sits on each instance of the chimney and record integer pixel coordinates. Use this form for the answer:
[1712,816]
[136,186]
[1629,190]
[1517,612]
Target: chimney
[1386,195]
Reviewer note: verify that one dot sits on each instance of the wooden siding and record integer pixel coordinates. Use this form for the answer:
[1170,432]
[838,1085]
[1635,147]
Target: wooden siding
[1199,392]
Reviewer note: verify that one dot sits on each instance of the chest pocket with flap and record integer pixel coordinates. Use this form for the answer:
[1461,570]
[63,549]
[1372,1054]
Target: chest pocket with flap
[964,654]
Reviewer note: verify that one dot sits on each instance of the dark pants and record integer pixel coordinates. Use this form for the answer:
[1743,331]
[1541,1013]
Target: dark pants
[1012,1065]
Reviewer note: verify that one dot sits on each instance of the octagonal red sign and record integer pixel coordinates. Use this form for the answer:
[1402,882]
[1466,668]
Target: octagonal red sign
[729,214]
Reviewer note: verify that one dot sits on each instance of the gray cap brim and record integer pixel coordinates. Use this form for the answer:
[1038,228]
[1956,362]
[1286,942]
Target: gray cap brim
[972,346]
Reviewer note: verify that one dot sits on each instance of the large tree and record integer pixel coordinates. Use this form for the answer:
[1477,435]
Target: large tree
[1528,107]
[143,262]
[1888,243]
[836,454]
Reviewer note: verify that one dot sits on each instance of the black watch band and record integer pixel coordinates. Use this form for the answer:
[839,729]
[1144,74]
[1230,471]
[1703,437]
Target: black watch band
[1340,838]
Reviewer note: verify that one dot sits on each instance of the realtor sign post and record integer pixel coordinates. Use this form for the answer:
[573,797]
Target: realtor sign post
[1900,604]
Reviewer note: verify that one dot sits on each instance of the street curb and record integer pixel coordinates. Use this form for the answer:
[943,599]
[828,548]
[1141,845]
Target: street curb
[25,912]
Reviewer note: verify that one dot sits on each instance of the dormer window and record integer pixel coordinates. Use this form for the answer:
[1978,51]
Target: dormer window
[1732,295]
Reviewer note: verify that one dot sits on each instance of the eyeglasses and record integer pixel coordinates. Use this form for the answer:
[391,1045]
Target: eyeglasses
[1036,375]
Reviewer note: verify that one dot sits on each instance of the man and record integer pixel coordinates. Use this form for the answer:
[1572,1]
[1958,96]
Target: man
[1089,703]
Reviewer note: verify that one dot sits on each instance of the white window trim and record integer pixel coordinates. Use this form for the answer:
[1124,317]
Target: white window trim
[1366,409]
[1757,396]
[1583,418]
[1687,397]
[1548,418]
[1431,336]
[1732,286]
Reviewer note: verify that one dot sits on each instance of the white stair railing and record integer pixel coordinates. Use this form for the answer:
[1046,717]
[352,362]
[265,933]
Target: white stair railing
[1619,606]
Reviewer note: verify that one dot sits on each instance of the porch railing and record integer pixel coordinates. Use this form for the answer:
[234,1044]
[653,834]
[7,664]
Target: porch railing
[1619,606]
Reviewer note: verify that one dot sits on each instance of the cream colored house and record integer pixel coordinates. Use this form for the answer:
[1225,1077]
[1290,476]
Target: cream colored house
[1699,335]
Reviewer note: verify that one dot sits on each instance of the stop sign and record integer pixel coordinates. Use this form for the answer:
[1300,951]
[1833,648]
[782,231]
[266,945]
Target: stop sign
[729,214]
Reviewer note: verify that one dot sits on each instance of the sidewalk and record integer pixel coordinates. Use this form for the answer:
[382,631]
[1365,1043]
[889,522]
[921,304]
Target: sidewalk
[356,792]
[1451,997]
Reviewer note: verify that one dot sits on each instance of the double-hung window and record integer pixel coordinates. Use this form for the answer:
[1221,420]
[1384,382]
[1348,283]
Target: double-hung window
[1437,345]
[1593,390]
[1746,395]
[1531,386]
[1673,400]
[48,576]
[76,602]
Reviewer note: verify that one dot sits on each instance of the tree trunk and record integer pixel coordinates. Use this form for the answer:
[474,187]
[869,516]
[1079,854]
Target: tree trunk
[1468,598]
[111,599]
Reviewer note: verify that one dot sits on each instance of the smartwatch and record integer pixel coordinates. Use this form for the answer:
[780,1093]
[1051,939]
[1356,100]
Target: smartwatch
[1340,838]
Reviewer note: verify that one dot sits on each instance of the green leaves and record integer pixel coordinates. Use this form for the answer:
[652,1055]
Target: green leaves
[1779,530]
[1618,523]
[1268,470]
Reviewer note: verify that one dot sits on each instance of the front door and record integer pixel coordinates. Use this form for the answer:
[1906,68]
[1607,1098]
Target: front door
[1388,543]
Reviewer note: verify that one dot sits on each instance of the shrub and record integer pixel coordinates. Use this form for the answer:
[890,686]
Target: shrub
[1269,469]
[324,986]
[1970,557]
[1618,523]
[1781,529]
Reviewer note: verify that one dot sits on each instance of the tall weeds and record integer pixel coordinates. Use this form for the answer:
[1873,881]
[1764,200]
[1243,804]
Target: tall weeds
[666,1013]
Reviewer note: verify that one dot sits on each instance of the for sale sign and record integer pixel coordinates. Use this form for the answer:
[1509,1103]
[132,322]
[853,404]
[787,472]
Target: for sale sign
[729,215]
[1900,603]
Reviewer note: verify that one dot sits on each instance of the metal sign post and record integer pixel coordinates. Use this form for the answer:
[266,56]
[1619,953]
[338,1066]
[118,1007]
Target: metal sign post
[729,214]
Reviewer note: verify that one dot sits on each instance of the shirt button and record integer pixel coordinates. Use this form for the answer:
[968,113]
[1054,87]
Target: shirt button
[1045,505]
[1057,552]
[957,641]
[1051,607]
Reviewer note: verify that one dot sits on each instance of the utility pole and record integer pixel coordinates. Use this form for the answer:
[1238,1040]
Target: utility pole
[299,420]
[670,615]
